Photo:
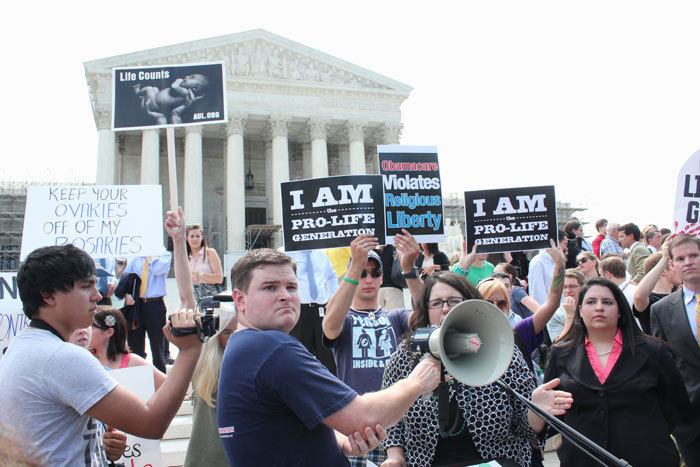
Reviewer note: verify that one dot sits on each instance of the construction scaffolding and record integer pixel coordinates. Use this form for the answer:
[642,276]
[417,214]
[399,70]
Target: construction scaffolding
[13,197]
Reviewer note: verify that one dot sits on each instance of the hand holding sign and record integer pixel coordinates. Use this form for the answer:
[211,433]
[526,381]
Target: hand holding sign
[114,442]
[407,245]
[467,259]
[359,249]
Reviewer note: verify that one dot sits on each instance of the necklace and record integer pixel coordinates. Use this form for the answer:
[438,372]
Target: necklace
[604,353]
[455,409]
[371,314]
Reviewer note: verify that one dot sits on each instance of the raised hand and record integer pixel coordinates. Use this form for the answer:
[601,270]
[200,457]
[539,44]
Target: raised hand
[408,248]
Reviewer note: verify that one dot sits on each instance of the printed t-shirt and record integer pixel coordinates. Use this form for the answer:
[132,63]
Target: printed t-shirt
[273,397]
[46,386]
[364,345]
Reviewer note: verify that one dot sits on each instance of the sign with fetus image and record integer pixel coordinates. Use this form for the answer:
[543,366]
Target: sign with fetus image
[372,341]
[169,95]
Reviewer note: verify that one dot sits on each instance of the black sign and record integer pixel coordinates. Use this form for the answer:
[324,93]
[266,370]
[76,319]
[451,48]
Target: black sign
[412,191]
[160,96]
[330,212]
[510,219]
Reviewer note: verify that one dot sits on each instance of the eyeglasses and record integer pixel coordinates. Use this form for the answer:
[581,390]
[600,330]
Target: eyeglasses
[374,273]
[438,304]
[499,303]
[582,261]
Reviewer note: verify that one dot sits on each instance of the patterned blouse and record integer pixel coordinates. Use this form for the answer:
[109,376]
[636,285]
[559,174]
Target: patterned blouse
[496,421]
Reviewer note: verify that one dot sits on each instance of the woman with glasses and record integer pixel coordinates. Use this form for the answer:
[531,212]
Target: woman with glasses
[205,446]
[484,422]
[205,264]
[587,262]
[108,343]
[628,394]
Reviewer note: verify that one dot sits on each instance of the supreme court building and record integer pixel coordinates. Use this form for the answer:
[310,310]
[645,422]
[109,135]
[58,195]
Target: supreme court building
[293,113]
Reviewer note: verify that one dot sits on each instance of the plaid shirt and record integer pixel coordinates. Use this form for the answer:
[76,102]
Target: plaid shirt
[610,245]
[377,456]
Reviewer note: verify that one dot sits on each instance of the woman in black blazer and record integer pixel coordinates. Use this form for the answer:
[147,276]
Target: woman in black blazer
[628,394]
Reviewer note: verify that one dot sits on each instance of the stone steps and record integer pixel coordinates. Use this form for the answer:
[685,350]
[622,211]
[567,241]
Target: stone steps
[173,446]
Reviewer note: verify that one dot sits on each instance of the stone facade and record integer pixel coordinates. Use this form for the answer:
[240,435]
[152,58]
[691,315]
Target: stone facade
[294,112]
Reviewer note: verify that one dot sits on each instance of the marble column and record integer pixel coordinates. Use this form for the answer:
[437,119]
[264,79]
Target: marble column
[150,157]
[235,182]
[343,160]
[318,129]
[267,138]
[356,137]
[106,153]
[193,175]
[306,160]
[279,129]
[391,133]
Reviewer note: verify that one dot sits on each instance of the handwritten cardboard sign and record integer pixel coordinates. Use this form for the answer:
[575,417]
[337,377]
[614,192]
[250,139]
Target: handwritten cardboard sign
[510,219]
[412,191]
[330,212]
[139,452]
[686,213]
[12,318]
[169,95]
[105,221]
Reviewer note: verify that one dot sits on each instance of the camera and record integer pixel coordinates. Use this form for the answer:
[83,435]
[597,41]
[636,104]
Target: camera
[208,323]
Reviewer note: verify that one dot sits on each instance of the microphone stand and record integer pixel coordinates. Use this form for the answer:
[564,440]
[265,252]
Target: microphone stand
[576,438]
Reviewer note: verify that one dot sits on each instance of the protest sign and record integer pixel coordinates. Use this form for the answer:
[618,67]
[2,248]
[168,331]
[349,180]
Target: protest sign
[330,212]
[412,192]
[686,214]
[510,219]
[169,95]
[12,318]
[105,221]
[140,452]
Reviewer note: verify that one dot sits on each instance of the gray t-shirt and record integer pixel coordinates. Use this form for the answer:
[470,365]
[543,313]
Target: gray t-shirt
[46,386]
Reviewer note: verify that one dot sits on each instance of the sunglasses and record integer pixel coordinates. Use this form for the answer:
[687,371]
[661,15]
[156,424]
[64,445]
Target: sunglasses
[582,261]
[374,273]
[499,303]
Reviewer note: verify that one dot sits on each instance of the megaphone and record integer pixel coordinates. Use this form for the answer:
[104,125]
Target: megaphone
[474,342]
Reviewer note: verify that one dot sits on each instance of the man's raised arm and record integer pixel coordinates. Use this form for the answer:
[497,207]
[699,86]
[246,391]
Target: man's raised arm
[340,302]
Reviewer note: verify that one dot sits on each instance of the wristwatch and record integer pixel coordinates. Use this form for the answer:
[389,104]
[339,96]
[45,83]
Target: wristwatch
[412,274]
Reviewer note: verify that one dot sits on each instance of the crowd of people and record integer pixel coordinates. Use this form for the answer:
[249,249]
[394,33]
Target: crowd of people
[312,364]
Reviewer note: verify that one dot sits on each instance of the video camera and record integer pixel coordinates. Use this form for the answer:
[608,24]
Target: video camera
[208,323]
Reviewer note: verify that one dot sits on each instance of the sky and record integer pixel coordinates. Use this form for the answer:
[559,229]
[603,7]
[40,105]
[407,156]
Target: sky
[600,99]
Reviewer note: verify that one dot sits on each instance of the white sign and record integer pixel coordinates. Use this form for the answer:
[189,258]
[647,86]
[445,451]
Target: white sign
[12,318]
[686,215]
[140,452]
[105,221]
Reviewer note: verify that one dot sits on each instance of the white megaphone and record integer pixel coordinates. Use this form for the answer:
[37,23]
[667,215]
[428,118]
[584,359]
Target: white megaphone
[474,342]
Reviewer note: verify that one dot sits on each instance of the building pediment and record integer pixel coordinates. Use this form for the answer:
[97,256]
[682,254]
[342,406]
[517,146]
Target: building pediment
[261,58]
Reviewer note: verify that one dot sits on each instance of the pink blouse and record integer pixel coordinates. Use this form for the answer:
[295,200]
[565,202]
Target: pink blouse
[600,372]
[199,263]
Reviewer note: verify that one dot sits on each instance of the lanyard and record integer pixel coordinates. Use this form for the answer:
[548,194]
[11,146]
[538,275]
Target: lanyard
[41,324]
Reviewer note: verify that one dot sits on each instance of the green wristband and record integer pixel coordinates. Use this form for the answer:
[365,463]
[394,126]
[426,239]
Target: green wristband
[351,281]
[458,270]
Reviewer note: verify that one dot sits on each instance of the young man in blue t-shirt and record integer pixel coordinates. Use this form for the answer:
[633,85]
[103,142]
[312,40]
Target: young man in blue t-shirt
[277,404]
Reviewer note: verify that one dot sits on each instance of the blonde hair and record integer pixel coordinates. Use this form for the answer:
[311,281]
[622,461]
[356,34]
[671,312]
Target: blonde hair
[489,287]
[205,379]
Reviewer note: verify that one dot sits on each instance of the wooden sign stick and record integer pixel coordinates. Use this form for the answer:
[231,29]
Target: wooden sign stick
[172,168]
